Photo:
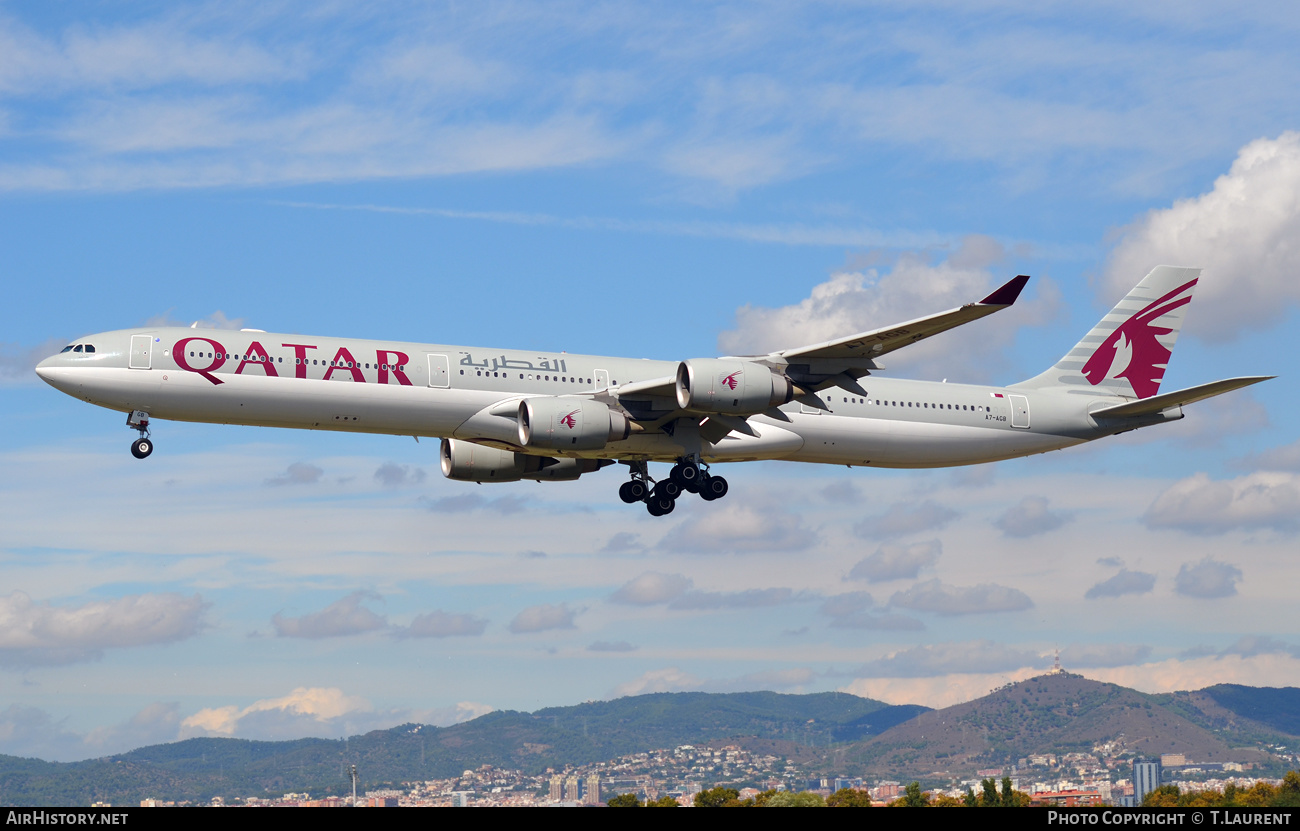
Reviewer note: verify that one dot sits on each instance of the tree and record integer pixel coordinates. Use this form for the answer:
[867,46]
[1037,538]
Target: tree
[912,798]
[1165,796]
[970,800]
[802,799]
[1012,798]
[663,802]
[624,800]
[849,798]
[989,798]
[718,797]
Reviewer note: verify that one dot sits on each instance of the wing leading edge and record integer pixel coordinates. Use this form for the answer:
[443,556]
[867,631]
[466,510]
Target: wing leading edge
[872,344]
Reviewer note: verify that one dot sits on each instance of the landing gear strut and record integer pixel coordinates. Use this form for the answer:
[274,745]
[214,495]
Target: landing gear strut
[138,420]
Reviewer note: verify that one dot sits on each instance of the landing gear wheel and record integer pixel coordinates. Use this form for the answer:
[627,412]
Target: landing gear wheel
[667,488]
[686,474]
[141,448]
[660,505]
[634,491]
[714,487]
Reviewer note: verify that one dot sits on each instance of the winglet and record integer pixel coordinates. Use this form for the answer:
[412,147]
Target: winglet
[1006,295]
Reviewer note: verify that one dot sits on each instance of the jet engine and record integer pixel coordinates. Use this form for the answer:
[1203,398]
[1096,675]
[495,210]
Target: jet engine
[468,462]
[733,387]
[550,423]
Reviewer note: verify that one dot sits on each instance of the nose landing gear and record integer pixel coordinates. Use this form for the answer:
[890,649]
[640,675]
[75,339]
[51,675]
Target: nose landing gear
[138,420]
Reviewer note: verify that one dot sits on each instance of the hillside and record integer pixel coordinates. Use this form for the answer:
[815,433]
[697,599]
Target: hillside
[552,737]
[1046,714]
[826,733]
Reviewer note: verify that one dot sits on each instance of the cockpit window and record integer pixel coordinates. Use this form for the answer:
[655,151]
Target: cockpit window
[90,347]
[67,348]
[77,348]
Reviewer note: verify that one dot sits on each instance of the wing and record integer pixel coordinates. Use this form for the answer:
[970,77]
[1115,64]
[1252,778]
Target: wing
[837,363]
[867,345]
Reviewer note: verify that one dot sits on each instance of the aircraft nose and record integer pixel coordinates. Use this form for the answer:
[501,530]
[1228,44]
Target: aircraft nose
[52,372]
[43,369]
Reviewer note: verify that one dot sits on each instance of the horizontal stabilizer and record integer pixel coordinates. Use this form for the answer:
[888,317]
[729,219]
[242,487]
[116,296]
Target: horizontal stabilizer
[1159,403]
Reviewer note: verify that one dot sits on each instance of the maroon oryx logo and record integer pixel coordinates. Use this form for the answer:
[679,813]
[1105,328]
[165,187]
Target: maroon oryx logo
[1133,351]
[730,381]
[569,420]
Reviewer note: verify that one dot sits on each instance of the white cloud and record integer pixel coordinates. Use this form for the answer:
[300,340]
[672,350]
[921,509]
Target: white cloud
[855,610]
[854,301]
[216,320]
[939,690]
[305,711]
[623,541]
[339,619]
[670,679]
[1030,517]
[747,599]
[466,502]
[40,633]
[1126,582]
[740,526]
[1207,579]
[892,561]
[941,659]
[440,624]
[394,475]
[651,588]
[1242,233]
[298,473]
[32,732]
[1084,656]
[542,618]
[1199,504]
[942,599]
[610,646]
[151,54]
[1286,457]
[673,679]
[18,363]
[907,518]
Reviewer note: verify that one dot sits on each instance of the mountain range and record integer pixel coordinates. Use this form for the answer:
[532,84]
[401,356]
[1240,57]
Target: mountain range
[833,733]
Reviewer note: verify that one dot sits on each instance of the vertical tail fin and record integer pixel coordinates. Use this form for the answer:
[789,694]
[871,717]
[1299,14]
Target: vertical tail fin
[1127,352]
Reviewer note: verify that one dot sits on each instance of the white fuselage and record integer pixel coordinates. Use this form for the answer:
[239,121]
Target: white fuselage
[413,389]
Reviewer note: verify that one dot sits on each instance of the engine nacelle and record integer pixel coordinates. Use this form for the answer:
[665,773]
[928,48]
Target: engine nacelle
[734,387]
[566,470]
[465,461]
[551,423]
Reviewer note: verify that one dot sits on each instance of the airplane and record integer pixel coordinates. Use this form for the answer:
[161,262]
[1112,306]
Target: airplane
[509,415]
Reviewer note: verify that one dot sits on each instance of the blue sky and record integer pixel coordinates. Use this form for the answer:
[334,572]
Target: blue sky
[664,182]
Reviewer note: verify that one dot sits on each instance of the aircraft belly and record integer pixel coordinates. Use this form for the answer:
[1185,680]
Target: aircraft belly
[772,442]
[889,443]
[308,403]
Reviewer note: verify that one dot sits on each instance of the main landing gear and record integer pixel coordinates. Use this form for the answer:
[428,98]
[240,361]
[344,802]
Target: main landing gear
[143,446]
[689,474]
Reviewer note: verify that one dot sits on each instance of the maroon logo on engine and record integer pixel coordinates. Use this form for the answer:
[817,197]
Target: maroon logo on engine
[730,381]
[569,420]
[1134,351]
